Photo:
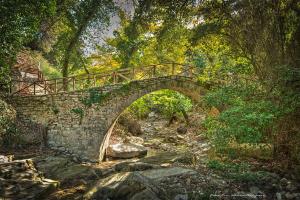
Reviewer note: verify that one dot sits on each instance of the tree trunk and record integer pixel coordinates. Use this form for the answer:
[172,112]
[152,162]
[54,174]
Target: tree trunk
[65,71]
[186,117]
[72,44]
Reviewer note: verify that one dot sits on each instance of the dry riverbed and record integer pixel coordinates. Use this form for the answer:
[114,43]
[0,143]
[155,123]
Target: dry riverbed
[175,167]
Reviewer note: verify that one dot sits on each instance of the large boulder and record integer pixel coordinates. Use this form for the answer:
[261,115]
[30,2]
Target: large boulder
[160,174]
[139,185]
[5,159]
[126,150]
[126,186]
[65,170]
[20,180]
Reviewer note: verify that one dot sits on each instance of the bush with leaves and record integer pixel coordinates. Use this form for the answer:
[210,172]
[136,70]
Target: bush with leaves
[7,118]
[165,102]
[248,114]
[20,22]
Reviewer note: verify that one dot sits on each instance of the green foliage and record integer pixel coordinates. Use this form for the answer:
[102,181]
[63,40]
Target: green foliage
[228,167]
[246,53]
[242,120]
[270,46]
[166,102]
[7,115]
[11,136]
[20,21]
[141,41]
[95,96]
[140,108]
[248,177]
[79,112]
[48,70]
[199,61]
[125,88]
[55,109]
[8,131]
[77,26]
[4,75]
[239,172]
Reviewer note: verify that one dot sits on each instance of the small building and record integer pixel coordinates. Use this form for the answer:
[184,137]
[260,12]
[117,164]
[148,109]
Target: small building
[27,75]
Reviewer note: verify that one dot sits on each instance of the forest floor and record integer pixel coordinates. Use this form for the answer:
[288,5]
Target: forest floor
[182,165]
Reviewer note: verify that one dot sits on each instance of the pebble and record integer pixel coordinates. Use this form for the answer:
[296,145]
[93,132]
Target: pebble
[254,190]
[289,195]
[283,182]
[181,197]
[290,187]
[278,196]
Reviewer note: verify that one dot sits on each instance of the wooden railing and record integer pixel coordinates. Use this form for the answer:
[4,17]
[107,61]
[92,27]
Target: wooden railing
[80,82]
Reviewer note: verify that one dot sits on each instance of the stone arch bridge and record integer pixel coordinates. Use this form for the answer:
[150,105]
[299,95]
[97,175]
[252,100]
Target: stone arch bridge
[80,121]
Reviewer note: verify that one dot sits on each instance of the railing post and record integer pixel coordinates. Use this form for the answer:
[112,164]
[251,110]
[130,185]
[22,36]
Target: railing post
[45,86]
[33,88]
[173,68]
[154,71]
[73,83]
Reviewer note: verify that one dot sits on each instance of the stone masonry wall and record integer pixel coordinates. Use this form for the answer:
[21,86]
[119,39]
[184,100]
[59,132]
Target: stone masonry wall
[82,129]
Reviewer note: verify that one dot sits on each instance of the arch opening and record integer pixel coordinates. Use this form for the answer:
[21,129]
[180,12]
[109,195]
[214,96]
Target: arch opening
[161,121]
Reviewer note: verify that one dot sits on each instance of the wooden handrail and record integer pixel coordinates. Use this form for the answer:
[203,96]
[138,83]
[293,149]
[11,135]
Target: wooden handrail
[99,79]
[110,71]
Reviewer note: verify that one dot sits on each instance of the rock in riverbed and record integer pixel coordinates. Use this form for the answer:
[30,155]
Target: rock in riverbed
[127,150]
[127,186]
[136,185]
[181,130]
[20,180]
[5,159]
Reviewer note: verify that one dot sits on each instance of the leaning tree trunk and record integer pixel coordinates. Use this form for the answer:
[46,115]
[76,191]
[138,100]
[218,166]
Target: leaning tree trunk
[68,51]
[65,72]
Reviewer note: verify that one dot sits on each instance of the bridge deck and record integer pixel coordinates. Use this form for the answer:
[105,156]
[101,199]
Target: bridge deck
[85,81]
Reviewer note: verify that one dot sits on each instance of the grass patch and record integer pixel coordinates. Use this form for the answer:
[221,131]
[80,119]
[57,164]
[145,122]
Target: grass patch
[239,172]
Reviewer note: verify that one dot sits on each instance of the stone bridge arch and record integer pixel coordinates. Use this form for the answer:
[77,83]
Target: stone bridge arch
[80,123]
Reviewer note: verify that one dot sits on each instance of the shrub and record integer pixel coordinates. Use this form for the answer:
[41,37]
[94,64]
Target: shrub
[165,102]
[244,119]
[7,119]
